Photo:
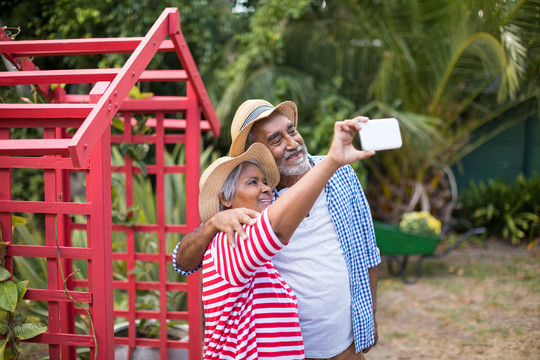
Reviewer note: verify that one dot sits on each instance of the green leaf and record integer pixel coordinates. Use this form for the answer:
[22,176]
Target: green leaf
[17,220]
[3,344]
[8,354]
[22,286]
[4,274]
[490,211]
[117,123]
[135,93]
[8,296]
[3,329]
[29,330]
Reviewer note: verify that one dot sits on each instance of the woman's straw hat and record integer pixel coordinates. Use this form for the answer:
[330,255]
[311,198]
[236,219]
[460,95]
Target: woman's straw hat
[249,113]
[214,176]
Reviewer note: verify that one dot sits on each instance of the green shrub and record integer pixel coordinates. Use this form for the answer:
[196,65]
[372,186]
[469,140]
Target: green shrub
[507,210]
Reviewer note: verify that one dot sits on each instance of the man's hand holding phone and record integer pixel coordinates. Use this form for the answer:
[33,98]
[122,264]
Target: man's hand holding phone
[380,134]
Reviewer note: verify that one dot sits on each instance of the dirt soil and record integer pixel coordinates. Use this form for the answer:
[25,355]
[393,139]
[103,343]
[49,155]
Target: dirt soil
[475,303]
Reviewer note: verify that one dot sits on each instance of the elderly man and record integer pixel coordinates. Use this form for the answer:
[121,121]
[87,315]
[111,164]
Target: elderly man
[331,260]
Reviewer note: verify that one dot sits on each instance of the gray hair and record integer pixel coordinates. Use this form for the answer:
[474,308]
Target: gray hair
[249,140]
[229,187]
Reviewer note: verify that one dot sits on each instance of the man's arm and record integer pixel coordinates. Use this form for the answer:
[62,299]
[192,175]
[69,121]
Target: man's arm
[373,280]
[191,249]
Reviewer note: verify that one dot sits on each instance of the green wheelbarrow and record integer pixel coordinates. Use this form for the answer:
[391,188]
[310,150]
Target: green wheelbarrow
[396,247]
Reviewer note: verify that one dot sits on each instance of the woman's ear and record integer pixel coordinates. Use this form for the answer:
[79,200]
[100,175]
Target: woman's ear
[225,204]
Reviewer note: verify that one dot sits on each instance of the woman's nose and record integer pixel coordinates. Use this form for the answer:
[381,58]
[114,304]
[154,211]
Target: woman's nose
[266,189]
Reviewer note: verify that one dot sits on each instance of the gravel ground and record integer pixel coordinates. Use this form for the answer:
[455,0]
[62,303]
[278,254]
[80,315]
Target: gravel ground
[476,303]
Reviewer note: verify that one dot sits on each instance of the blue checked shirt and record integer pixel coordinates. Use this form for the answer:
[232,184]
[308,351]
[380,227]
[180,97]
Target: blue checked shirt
[352,218]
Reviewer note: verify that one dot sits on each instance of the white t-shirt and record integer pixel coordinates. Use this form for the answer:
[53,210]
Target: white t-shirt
[313,265]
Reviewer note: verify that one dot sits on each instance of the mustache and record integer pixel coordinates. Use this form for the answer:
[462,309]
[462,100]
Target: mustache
[299,150]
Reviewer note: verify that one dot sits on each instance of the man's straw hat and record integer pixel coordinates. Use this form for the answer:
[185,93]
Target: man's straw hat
[214,176]
[249,113]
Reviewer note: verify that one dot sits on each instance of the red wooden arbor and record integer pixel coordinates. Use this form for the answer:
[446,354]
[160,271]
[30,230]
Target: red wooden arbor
[59,155]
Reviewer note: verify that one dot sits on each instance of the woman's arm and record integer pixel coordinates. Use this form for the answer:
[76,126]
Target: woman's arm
[237,265]
[286,213]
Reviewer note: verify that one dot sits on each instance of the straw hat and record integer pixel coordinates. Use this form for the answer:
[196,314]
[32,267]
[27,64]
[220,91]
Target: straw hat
[214,176]
[252,111]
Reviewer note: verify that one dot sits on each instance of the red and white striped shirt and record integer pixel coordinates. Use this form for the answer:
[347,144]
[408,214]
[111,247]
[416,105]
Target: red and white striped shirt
[251,313]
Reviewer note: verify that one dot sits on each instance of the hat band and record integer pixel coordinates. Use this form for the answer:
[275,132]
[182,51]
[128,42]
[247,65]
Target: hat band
[255,113]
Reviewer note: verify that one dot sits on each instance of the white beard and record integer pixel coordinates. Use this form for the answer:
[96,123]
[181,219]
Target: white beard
[301,167]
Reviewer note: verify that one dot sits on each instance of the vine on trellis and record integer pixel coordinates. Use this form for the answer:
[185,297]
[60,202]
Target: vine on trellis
[11,295]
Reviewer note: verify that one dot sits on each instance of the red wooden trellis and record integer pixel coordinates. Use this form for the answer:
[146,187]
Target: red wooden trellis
[89,151]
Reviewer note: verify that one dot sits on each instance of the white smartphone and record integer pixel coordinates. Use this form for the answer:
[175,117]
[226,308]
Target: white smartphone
[380,134]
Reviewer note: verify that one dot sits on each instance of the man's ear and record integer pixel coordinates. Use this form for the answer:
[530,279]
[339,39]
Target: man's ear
[225,204]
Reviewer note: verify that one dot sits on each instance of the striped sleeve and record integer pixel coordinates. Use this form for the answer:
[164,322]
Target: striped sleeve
[237,265]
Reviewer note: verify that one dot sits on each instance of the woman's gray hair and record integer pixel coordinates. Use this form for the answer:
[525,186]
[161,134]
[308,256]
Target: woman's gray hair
[229,187]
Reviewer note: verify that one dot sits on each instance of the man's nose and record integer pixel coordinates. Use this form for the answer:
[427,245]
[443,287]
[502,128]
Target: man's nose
[291,143]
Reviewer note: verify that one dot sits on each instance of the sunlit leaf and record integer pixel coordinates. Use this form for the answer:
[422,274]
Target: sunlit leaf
[29,330]
[4,274]
[3,343]
[22,286]
[17,220]
[8,296]
[3,329]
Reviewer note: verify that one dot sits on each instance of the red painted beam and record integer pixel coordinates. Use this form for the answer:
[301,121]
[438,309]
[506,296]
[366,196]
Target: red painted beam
[29,147]
[44,162]
[48,252]
[156,103]
[155,343]
[64,339]
[45,207]
[40,123]
[64,47]
[173,229]
[167,104]
[164,75]
[57,295]
[140,139]
[72,76]
[145,285]
[45,111]
[78,76]
[146,314]
[139,342]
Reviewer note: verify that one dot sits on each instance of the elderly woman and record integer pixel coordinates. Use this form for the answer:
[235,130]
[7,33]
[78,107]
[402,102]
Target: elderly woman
[250,311]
